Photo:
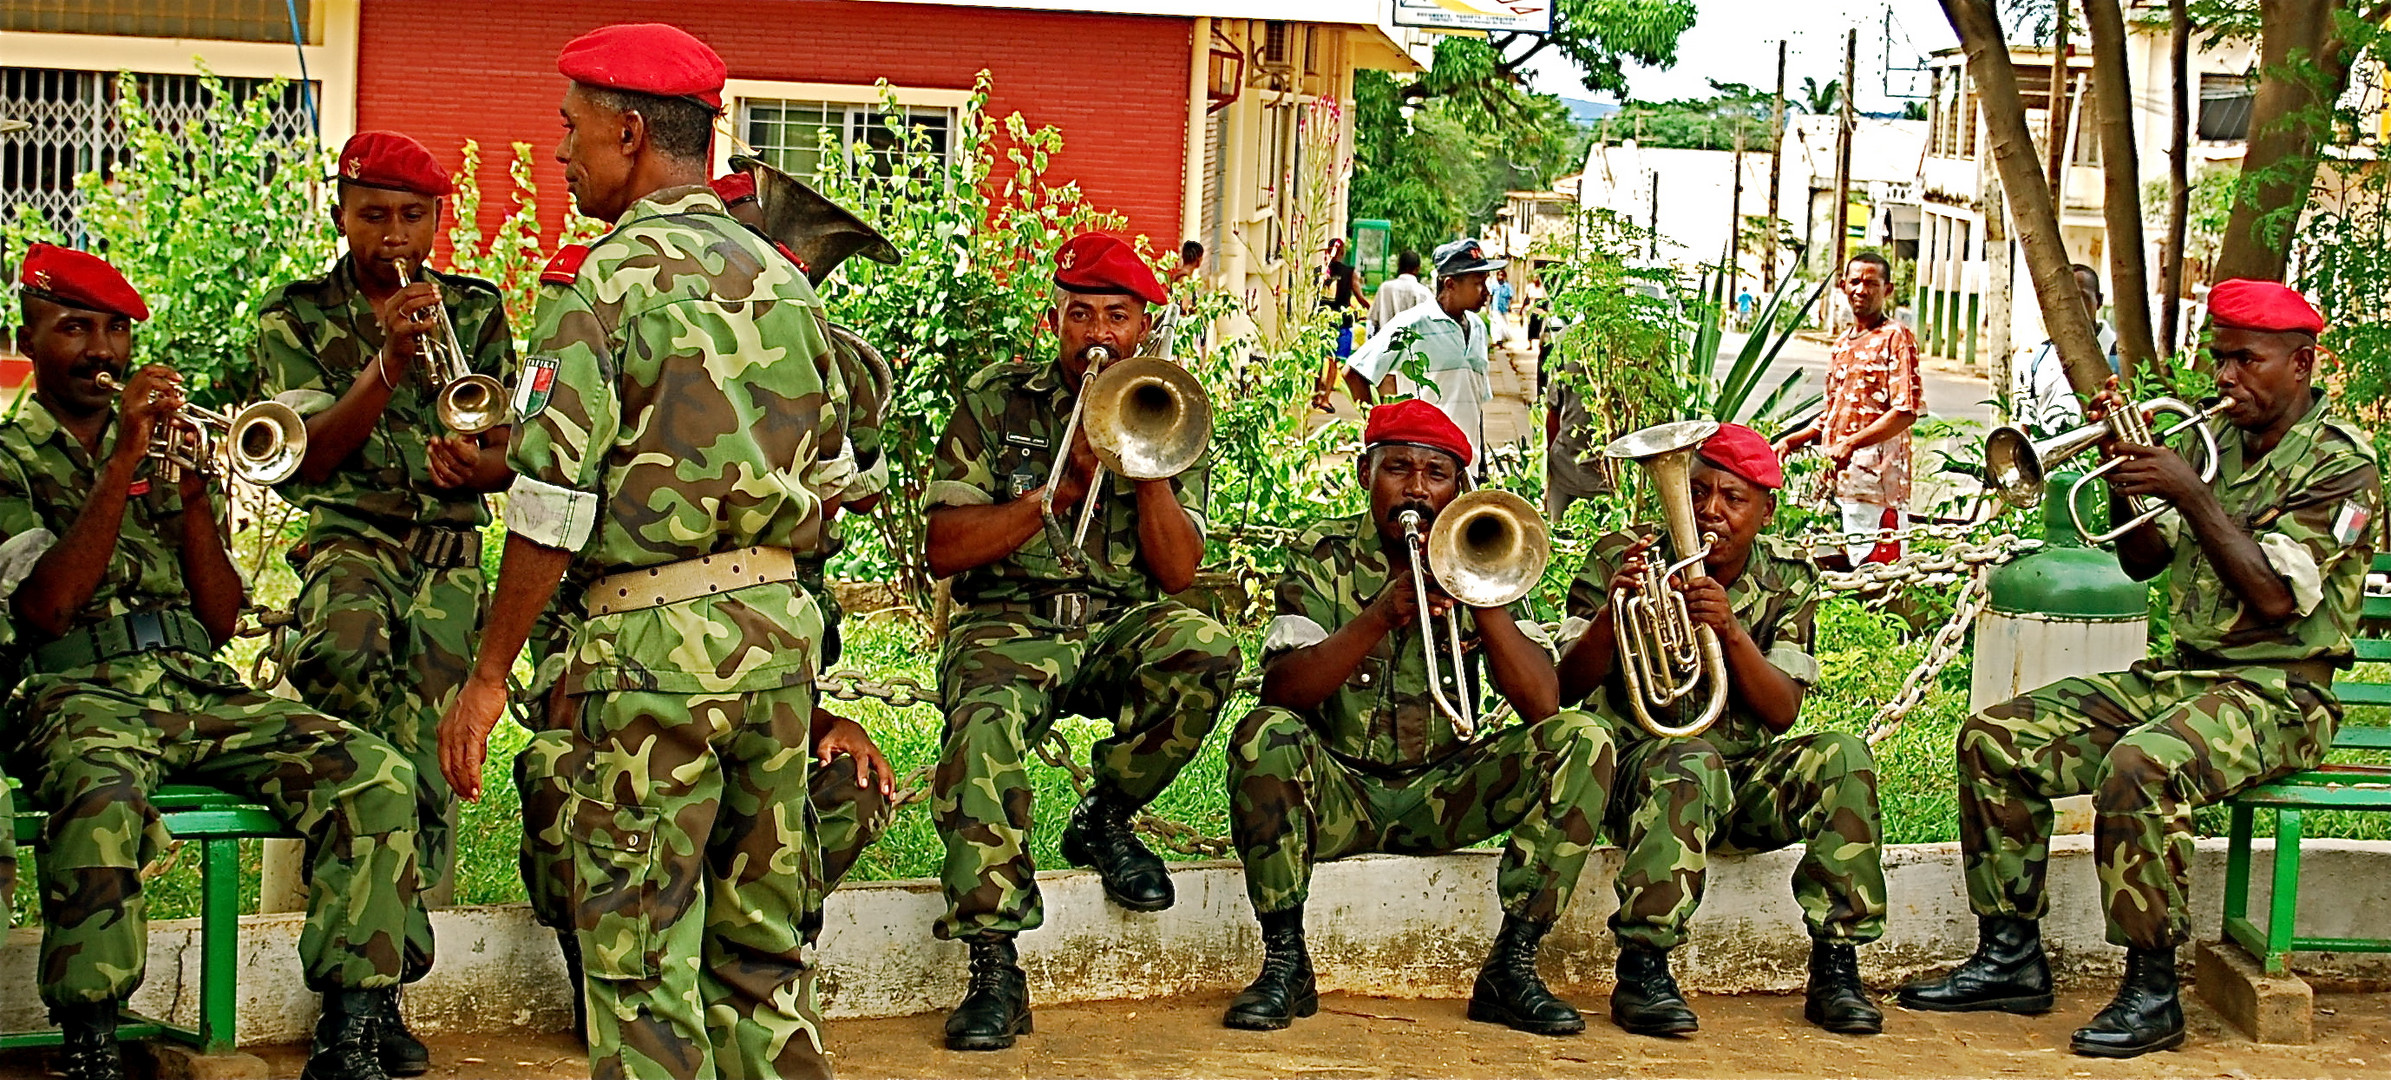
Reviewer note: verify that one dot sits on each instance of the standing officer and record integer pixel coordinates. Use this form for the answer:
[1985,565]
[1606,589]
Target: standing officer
[668,426]
[1348,753]
[117,584]
[2267,567]
[390,574]
[1742,782]
[1034,635]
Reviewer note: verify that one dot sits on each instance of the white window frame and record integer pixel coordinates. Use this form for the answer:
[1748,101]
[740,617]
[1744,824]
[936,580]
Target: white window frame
[736,92]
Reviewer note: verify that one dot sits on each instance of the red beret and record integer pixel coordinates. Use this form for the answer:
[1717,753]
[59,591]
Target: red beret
[734,186]
[387,159]
[2262,305]
[1413,422]
[1746,453]
[647,58]
[80,280]
[1099,263]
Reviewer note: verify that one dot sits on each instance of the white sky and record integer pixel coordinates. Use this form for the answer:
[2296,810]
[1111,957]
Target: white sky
[1736,41]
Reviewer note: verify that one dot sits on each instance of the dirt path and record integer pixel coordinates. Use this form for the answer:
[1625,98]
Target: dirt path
[1746,1036]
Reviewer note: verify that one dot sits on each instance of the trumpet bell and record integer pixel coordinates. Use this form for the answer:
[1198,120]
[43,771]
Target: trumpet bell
[1488,548]
[265,443]
[1147,419]
[1682,436]
[2012,467]
[471,405]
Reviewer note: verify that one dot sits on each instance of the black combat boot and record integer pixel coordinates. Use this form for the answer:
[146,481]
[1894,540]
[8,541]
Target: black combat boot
[2007,974]
[1510,993]
[1646,1001]
[996,1004]
[347,1036]
[569,943]
[1099,836]
[90,1050]
[1285,989]
[1836,1000]
[402,1053]
[2144,1016]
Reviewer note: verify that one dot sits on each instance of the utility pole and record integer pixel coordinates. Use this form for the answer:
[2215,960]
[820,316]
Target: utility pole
[1734,263]
[1840,213]
[1652,230]
[1776,166]
[2055,136]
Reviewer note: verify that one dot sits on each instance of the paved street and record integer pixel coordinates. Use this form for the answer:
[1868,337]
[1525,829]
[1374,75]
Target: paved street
[1949,394]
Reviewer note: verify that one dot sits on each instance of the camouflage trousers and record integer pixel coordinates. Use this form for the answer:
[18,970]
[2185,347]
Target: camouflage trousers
[1292,805]
[684,817]
[1677,799]
[1159,672]
[2149,745]
[384,643]
[100,750]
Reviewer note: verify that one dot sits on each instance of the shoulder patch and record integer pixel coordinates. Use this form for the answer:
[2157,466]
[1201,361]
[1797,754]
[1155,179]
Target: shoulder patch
[565,266]
[536,385]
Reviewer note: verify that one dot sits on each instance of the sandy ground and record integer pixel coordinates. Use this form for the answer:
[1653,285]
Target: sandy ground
[1747,1036]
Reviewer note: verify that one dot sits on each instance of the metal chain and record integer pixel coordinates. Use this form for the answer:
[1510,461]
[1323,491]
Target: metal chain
[1940,651]
[1937,567]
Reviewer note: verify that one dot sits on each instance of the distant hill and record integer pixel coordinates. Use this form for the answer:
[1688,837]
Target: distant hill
[1585,113]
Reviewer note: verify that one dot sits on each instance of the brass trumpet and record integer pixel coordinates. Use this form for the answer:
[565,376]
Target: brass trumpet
[1487,549]
[1664,654]
[2015,463]
[467,403]
[1146,418]
[261,444]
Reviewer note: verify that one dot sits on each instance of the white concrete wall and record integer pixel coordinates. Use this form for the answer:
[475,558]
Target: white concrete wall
[1398,927]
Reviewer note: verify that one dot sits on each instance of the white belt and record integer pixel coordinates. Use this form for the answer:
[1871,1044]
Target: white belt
[688,579]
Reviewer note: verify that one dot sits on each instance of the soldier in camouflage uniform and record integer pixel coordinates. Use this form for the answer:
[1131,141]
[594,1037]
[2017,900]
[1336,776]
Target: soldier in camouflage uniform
[669,422]
[390,576]
[1348,753]
[848,800]
[1037,632]
[2266,566]
[119,589]
[1741,783]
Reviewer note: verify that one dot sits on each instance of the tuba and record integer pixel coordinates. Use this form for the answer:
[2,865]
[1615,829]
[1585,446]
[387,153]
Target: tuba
[1664,654]
[2015,463]
[1487,549]
[821,233]
[260,444]
[467,403]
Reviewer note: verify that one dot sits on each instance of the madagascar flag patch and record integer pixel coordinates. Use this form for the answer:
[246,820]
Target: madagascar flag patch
[537,385]
[2350,522]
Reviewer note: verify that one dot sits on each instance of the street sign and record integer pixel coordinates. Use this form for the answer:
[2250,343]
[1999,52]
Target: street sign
[1501,16]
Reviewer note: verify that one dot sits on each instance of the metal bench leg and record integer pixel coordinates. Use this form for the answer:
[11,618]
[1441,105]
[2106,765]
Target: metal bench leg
[2283,902]
[219,944]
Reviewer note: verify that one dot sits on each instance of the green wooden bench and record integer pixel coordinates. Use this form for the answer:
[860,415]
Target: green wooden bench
[217,822]
[2330,786]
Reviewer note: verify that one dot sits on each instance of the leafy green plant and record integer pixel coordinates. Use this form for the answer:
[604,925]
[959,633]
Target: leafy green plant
[512,255]
[208,219]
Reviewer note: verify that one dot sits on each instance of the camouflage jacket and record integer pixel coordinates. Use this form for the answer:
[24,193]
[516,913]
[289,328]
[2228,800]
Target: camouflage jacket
[45,477]
[1383,718]
[2309,503]
[869,386]
[1000,445]
[314,339]
[675,402]
[1776,600]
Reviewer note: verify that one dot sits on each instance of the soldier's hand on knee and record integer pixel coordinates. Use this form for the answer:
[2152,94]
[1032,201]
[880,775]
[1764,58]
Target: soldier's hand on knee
[839,735]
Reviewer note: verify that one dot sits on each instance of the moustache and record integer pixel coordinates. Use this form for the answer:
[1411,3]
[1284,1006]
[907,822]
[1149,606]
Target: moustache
[1394,514]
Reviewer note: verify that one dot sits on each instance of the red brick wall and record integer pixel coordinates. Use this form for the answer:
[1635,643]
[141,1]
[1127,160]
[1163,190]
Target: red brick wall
[1116,86]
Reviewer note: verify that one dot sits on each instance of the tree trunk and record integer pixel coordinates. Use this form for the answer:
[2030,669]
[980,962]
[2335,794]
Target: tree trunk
[2303,66]
[2121,168]
[2179,177]
[2028,193]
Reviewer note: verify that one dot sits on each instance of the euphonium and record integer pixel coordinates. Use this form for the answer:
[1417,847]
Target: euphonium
[1487,549]
[2015,463]
[261,444]
[467,403]
[1146,418]
[1663,653]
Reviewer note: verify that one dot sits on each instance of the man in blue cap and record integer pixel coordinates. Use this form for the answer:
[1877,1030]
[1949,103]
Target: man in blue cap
[1437,352]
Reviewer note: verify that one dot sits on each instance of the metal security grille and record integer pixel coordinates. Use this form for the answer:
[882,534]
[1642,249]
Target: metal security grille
[76,130]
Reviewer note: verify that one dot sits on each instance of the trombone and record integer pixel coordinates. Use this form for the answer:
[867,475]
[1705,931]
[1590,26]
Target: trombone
[466,403]
[261,444]
[1147,419]
[1665,655]
[2015,463]
[1487,549]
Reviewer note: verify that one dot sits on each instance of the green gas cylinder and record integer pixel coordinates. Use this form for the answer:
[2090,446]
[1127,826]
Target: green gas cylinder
[2065,609]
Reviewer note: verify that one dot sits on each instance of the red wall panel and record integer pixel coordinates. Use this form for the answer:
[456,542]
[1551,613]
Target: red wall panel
[446,71]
